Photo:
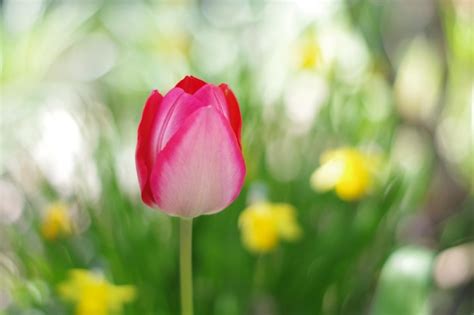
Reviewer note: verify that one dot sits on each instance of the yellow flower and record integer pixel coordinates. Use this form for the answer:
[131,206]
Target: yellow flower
[348,171]
[174,44]
[93,295]
[57,221]
[264,224]
[288,227]
[310,54]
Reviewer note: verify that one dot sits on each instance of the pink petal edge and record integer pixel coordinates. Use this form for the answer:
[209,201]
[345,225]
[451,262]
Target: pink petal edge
[201,170]
[211,95]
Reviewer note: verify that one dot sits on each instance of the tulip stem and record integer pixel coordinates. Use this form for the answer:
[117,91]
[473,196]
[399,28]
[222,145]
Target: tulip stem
[186,269]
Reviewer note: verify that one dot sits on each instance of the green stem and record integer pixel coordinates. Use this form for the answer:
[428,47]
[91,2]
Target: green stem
[186,269]
[259,275]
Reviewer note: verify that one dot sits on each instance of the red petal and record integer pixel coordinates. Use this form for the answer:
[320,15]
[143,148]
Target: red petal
[142,153]
[190,84]
[234,111]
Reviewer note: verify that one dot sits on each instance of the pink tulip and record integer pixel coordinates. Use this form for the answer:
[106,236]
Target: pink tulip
[189,157]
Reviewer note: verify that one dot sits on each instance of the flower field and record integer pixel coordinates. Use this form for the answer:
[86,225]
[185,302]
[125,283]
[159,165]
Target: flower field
[354,161]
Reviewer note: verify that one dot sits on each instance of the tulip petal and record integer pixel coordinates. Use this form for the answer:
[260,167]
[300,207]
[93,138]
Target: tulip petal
[201,169]
[211,95]
[176,106]
[190,84]
[233,109]
[143,154]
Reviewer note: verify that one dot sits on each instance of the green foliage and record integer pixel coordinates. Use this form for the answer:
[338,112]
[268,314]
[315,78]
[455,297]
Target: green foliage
[404,283]
[74,79]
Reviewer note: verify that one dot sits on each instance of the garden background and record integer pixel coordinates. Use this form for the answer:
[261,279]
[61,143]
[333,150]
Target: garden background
[387,85]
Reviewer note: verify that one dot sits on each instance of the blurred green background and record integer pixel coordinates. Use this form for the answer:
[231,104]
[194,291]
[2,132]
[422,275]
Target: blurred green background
[392,79]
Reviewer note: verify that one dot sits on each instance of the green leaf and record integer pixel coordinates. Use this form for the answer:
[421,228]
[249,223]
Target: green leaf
[405,283]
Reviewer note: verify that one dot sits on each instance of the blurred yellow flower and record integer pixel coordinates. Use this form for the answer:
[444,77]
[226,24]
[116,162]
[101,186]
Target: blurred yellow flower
[56,222]
[93,295]
[263,225]
[308,51]
[310,54]
[174,44]
[348,171]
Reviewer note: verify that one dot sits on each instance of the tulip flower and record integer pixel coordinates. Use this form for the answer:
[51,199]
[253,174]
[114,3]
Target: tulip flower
[189,157]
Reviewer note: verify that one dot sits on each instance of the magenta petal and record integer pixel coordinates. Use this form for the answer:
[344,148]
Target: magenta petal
[213,96]
[143,159]
[201,170]
[176,106]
